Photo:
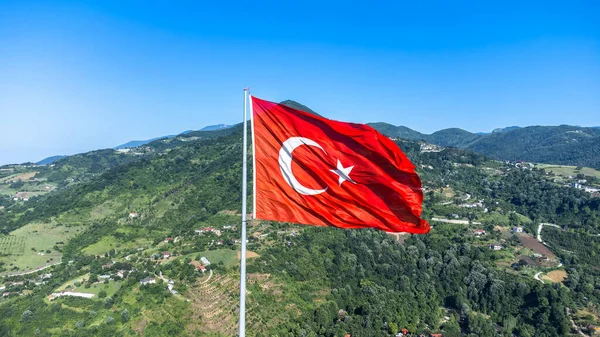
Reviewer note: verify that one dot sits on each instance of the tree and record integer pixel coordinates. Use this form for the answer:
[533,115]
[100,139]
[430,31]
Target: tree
[17,184]
[27,316]
[102,293]
[125,315]
[108,302]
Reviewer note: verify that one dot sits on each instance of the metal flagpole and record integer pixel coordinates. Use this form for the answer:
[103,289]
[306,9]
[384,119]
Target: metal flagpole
[243,251]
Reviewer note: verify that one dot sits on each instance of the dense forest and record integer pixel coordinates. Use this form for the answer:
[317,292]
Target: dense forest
[564,144]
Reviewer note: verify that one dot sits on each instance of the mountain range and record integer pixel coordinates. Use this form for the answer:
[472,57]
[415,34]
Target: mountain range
[563,144]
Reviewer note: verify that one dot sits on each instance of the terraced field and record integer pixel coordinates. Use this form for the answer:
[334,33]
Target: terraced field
[12,245]
[214,305]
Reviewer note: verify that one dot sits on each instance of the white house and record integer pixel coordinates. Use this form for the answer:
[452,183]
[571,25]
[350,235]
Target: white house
[495,247]
[517,229]
[70,293]
[149,280]
[205,261]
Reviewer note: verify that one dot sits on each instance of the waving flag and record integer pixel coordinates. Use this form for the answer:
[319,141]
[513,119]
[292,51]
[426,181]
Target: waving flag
[315,171]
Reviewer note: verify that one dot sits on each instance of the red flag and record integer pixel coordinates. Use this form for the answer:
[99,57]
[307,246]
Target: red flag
[315,171]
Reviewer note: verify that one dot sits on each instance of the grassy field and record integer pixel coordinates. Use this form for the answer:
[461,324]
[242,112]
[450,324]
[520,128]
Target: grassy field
[20,176]
[566,171]
[227,256]
[5,190]
[110,288]
[110,242]
[42,237]
[71,283]
[29,189]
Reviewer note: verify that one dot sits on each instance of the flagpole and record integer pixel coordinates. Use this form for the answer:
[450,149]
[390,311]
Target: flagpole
[242,323]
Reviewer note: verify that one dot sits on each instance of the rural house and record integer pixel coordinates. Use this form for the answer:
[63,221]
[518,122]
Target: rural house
[495,247]
[149,280]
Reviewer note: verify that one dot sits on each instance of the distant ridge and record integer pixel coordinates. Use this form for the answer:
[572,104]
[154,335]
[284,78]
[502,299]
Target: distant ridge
[49,160]
[397,131]
[215,127]
[298,106]
[136,143]
[508,128]
[563,144]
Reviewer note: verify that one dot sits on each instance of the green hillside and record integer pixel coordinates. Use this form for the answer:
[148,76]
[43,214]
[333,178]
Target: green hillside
[398,131]
[118,223]
[567,145]
[453,137]
[563,145]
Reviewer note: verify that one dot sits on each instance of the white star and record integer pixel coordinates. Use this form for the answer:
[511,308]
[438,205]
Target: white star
[343,172]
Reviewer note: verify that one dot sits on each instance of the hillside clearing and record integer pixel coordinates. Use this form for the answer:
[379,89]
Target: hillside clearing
[227,256]
[20,176]
[249,255]
[110,242]
[564,170]
[532,243]
[555,276]
[41,237]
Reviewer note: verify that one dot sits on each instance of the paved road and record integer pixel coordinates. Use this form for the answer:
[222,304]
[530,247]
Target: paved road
[209,276]
[537,277]
[539,231]
[460,222]
[34,270]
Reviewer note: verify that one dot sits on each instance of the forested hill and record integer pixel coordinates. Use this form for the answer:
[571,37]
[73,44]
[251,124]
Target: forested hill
[564,144]
[568,145]
[155,217]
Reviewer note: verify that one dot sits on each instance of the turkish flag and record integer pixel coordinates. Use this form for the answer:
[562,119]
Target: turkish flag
[315,171]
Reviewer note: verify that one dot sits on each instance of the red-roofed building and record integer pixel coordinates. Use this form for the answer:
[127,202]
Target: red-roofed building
[479,232]
[168,240]
[166,255]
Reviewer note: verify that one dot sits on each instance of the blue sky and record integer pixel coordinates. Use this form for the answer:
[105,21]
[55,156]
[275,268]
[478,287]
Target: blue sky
[82,75]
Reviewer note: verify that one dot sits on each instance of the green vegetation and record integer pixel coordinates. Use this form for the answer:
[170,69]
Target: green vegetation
[572,171]
[307,281]
[108,243]
[564,144]
[12,245]
[35,245]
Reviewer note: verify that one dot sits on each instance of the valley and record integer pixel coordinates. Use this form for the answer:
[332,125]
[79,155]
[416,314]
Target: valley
[149,245]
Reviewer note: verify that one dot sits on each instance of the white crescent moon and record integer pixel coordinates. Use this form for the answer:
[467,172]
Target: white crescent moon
[285,163]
